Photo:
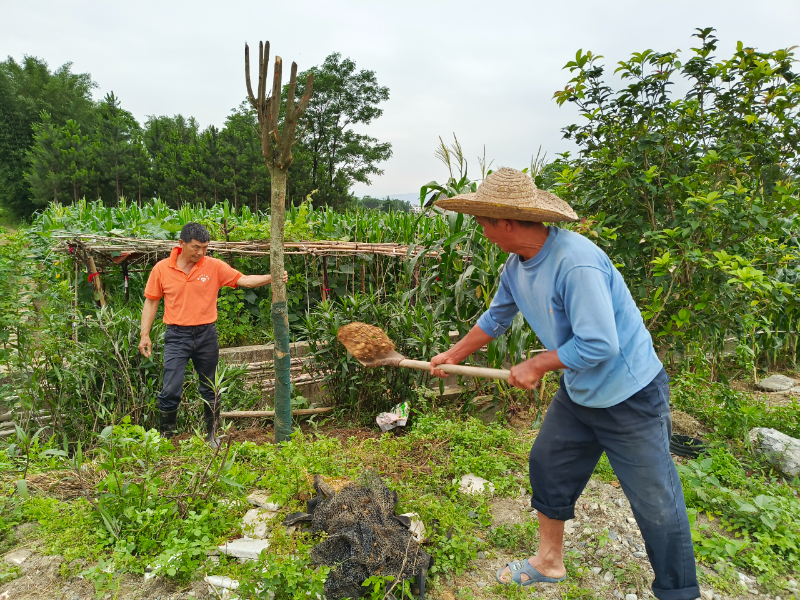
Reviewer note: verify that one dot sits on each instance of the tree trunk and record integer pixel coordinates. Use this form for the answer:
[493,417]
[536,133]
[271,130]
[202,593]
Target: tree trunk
[280,315]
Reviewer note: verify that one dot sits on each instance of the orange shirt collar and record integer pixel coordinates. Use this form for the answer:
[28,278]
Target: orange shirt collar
[173,259]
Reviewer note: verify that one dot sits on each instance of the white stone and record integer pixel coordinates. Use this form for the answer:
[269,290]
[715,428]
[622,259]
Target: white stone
[706,594]
[417,527]
[719,597]
[776,383]
[744,578]
[778,448]
[631,597]
[244,548]
[222,582]
[261,499]
[795,390]
[17,557]
[596,570]
[631,520]
[255,523]
[472,484]
[792,583]
[149,576]
[608,577]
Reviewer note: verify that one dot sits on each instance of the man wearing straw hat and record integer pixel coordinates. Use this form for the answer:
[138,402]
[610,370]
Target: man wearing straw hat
[614,393]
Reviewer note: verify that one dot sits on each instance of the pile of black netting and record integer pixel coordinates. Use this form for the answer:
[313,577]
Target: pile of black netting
[365,537]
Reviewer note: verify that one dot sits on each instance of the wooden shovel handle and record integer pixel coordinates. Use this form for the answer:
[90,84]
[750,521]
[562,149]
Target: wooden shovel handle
[482,372]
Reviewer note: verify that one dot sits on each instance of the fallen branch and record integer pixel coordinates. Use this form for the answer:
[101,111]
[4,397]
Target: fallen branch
[243,414]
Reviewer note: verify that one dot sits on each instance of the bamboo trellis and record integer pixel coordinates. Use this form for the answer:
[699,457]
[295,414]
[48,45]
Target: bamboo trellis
[103,251]
[114,250]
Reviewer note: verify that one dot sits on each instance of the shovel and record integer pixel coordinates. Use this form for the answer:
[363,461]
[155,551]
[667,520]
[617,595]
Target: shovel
[372,348]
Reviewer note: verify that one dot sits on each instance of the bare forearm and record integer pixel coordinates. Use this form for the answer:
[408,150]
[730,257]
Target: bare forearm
[549,361]
[148,316]
[473,341]
[149,311]
[254,281]
[527,374]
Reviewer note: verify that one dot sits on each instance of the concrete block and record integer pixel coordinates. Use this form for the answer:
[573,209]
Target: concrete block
[776,383]
[472,484]
[17,557]
[261,499]
[255,523]
[244,548]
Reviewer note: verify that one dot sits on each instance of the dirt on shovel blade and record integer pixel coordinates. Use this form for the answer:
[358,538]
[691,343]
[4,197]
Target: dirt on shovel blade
[363,341]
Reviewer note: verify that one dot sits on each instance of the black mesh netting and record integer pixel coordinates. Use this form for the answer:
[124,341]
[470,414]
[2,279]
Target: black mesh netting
[365,537]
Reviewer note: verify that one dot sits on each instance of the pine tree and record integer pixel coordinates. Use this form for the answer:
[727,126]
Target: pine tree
[115,149]
[45,173]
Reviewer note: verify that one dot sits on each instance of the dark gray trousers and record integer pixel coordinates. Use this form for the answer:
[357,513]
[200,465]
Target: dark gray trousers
[198,343]
[635,436]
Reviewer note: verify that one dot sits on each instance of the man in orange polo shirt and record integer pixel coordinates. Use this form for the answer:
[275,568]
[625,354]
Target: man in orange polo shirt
[189,282]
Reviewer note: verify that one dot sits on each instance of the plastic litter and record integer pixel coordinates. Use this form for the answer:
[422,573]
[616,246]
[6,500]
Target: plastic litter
[397,417]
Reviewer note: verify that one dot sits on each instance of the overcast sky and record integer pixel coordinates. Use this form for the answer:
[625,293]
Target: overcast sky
[484,70]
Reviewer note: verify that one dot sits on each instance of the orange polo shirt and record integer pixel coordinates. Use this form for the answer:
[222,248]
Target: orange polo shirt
[189,299]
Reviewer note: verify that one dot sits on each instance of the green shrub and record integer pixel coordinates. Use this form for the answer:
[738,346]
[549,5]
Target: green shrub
[759,514]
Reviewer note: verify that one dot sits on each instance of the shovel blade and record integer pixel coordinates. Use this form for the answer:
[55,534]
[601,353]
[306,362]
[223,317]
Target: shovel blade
[386,359]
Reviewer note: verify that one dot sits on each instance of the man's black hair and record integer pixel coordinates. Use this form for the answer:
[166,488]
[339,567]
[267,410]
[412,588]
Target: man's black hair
[195,231]
[526,224]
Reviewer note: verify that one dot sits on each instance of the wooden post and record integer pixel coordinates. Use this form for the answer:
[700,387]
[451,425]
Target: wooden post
[75,303]
[125,282]
[325,287]
[277,139]
[363,278]
[97,283]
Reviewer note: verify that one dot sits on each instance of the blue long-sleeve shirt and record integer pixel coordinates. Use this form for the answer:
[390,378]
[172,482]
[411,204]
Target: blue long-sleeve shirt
[577,303]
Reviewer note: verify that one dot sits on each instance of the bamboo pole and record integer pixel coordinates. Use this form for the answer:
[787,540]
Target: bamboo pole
[260,414]
[97,283]
[75,305]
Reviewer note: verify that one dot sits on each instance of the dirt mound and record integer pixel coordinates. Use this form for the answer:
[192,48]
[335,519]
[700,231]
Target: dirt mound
[685,424]
[364,341]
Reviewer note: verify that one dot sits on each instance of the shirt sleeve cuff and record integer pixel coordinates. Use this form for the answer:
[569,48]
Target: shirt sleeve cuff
[153,296]
[236,279]
[568,355]
[491,327]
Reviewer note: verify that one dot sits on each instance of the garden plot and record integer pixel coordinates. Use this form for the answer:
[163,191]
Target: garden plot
[470,535]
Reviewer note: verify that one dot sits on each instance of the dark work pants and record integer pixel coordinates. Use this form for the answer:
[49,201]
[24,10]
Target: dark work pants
[635,436]
[181,343]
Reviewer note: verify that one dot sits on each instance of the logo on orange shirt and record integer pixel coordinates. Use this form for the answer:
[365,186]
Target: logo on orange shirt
[203,277]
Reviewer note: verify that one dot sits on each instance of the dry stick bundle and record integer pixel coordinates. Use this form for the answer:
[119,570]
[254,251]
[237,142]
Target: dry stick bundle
[363,341]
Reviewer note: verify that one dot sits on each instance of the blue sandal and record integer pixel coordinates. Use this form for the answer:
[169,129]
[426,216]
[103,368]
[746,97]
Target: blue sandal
[518,567]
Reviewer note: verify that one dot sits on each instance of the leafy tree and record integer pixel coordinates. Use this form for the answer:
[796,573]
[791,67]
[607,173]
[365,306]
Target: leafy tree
[27,89]
[331,156]
[60,162]
[166,140]
[696,197]
[46,175]
[78,160]
[116,143]
[245,174]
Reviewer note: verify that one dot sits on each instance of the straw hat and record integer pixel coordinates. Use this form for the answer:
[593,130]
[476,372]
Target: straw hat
[511,194]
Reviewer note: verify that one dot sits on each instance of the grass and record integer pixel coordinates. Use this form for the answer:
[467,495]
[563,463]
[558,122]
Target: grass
[424,465]
[65,528]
